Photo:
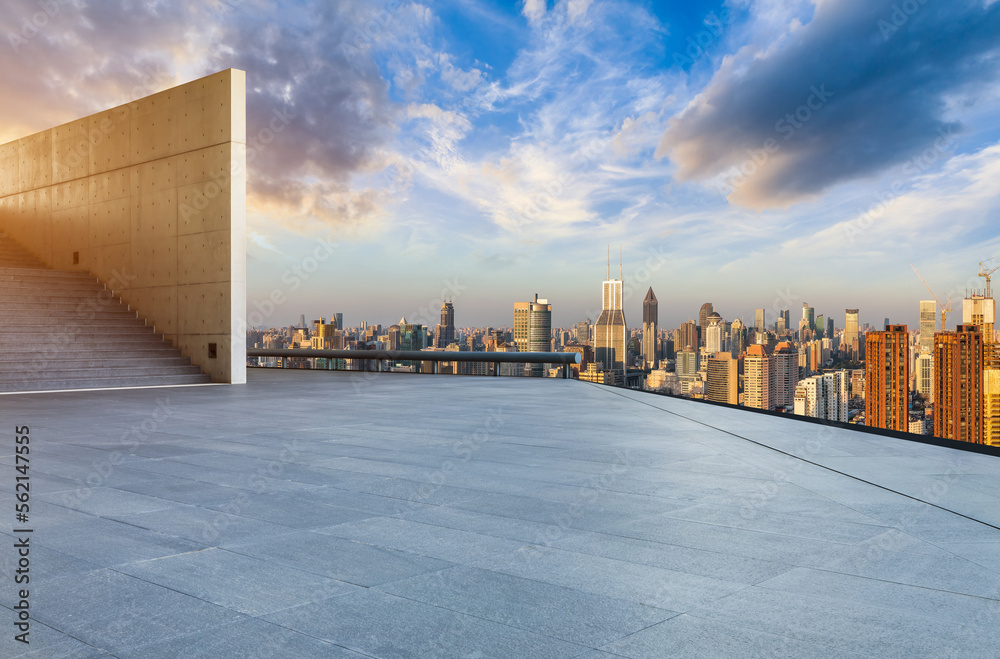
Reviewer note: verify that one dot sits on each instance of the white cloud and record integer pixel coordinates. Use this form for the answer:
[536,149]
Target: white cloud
[534,10]
[940,208]
[576,10]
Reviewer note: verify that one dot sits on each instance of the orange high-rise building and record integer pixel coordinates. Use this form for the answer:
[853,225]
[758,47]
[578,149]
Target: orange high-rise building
[758,378]
[958,384]
[887,379]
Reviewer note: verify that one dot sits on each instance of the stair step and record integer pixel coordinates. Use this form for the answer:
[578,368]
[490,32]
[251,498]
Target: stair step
[59,323]
[82,342]
[102,383]
[7,299]
[63,329]
[62,312]
[156,358]
[59,373]
[90,352]
[74,283]
[44,273]
[84,349]
[76,287]
[50,330]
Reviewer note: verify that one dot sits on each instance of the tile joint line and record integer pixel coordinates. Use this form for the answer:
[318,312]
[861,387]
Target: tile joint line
[815,464]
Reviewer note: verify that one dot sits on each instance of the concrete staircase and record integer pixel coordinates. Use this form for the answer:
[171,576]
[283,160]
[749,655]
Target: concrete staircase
[64,330]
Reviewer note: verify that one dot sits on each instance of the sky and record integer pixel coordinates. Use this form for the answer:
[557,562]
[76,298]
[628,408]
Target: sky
[750,153]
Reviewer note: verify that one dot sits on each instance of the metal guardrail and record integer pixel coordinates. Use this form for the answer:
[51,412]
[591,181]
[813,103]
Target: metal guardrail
[435,356]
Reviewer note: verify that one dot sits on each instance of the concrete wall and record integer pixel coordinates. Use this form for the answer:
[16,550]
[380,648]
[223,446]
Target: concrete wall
[150,198]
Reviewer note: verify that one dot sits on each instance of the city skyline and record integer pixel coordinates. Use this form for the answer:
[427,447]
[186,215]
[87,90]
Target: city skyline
[498,147]
[428,315]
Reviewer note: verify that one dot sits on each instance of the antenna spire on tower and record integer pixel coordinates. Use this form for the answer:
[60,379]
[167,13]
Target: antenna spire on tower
[609,262]
[620,278]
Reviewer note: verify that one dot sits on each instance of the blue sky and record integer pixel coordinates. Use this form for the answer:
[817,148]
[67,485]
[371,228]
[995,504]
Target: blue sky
[752,153]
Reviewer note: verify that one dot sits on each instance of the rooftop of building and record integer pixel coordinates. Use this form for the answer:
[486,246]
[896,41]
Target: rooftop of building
[348,514]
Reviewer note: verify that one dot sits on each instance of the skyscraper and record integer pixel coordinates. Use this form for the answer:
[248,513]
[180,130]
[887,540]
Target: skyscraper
[539,331]
[980,310]
[533,330]
[924,365]
[687,363]
[786,374]
[687,335]
[706,309]
[412,336]
[758,378]
[713,334]
[958,384]
[444,334]
[609,333]
[829,328]
[583,332]
[820,327]
[393,340]
[650,316]
[721,382]
[852,343]
[887,378]
[521,312]
[809,315]
[737,338]
[991,403]
[928,325]
[758,320]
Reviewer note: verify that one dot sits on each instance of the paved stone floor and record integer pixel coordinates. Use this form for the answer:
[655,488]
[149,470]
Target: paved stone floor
[314,514]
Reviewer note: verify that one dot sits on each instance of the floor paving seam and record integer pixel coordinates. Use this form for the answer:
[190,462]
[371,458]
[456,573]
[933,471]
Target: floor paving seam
[816,464]
[895,583]
[66,634]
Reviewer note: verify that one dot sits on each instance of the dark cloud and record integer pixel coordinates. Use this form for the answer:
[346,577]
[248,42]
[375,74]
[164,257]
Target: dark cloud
[313,80]
[879,76]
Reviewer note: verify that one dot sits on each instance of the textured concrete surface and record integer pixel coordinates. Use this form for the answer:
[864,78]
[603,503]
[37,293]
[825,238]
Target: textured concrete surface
[150,198]
[336,514]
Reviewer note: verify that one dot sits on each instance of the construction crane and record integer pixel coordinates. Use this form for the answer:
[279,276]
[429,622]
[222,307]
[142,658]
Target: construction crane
[985,273]
[944,309]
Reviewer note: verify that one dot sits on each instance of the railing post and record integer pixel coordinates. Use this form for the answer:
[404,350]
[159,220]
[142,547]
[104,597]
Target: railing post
[496,369]
[435,367]
[565,371]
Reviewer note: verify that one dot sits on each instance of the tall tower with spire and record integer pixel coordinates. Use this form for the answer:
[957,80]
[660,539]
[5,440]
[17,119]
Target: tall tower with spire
[444,334]
[649,322]
[609,332]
